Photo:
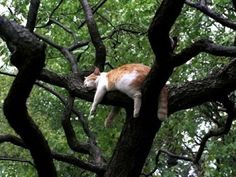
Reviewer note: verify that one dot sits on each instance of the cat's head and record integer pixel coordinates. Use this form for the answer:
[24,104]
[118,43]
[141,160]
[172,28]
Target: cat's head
[90,82]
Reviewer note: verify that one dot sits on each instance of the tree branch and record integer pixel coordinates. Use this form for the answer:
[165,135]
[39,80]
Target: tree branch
[15,159]
[28,55]
[88,148]
[193,93]
[69,131]
[12,139]
[220,131]
[203,45]
[57,156]
[77,162]
[100,57]
[217,17]
[32,14]
[65,52]
[160,28]
[94,10]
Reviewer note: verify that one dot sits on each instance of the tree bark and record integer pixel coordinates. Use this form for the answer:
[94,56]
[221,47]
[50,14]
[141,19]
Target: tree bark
[28,55]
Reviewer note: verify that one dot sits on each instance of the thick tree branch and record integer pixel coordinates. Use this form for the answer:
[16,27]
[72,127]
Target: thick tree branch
[32,14]
[189,94]
[140,132]
[203,45]
[100,57]
[28,56]
[182,96]
[160,28]
[57,156]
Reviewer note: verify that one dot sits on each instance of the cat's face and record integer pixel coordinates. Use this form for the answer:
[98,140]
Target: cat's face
[90,81]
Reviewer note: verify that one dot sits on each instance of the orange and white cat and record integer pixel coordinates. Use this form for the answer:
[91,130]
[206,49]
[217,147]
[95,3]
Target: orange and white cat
[127,79]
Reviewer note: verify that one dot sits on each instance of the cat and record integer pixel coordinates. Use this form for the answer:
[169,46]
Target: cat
[127,79]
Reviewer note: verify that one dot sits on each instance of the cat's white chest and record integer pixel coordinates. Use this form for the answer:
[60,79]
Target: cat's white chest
[127,79]
[126,83]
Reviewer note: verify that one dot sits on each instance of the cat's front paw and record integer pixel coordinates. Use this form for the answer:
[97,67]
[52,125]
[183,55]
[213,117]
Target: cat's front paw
[92,111]
[90,117]
[91,114]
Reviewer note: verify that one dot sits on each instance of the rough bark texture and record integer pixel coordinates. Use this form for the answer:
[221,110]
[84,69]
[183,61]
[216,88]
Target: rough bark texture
[137,135]
[28,56]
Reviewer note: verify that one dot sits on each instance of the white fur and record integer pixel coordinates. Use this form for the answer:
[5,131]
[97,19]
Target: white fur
[123,85]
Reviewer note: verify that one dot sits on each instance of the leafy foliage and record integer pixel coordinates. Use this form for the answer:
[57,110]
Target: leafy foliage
[124,26]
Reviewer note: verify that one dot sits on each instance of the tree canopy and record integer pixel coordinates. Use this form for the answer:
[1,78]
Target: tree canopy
[48,47]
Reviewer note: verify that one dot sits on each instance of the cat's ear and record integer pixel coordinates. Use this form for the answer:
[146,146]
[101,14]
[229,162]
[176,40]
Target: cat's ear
[97,71]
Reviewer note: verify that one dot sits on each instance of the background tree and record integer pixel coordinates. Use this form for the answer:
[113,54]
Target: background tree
[52,136]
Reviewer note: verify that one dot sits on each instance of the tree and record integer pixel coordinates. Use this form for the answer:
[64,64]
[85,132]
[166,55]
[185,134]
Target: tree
[214,90]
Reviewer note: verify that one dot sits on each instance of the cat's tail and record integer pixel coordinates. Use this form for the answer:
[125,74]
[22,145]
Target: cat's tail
[162,112]
[113,113]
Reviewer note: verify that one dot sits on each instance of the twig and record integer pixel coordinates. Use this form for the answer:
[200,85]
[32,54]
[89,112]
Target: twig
[219,131]
[217,17]
[66,53]
[51,14]
[94,10]
[15,159]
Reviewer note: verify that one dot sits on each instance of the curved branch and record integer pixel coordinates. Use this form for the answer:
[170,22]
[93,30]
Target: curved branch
[220,131]
[88,148]
[28,56]
[69,131]
[79,163]
[203,45]
[65,52]
[217,17]
[100,57]
[12,139]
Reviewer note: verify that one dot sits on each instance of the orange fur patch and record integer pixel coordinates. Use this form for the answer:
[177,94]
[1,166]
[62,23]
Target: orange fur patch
[116,74]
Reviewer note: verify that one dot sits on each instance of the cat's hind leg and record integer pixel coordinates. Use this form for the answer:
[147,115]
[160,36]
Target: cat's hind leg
[113,113]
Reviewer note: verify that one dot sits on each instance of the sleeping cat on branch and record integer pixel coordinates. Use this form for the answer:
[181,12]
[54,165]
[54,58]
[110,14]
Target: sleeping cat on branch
[127,79]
